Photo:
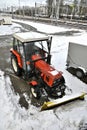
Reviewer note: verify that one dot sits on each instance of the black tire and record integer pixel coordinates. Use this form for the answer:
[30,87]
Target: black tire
[35,92]
[62,92]
[17,70]
[79,73]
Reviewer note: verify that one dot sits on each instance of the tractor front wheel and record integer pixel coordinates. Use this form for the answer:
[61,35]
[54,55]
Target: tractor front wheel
[35,92]
[17,70]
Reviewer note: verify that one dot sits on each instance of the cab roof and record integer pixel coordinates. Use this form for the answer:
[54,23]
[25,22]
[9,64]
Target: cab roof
[30,36]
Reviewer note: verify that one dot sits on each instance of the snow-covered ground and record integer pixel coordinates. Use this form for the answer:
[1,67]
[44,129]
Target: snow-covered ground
[9,29]
[66,117]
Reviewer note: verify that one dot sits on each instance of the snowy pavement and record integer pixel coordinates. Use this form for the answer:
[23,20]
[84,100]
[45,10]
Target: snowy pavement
[9,29]
[71,116]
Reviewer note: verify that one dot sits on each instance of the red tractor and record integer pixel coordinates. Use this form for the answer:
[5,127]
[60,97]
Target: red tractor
[31,59]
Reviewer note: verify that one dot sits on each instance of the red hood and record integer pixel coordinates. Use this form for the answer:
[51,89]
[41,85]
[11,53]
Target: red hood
[46,69]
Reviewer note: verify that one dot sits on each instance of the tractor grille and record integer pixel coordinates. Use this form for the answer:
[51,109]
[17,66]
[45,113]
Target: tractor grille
[58,82]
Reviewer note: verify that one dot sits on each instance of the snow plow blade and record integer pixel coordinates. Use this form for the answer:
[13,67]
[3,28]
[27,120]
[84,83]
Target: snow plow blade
[65,99]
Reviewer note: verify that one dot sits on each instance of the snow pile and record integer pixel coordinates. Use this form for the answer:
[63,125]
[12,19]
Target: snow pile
[47,28]
[6,107]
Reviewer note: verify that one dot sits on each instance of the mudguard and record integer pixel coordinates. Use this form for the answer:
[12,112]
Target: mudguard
[18,57]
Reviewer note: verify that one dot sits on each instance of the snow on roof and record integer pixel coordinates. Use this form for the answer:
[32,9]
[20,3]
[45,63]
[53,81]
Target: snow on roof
[30,36]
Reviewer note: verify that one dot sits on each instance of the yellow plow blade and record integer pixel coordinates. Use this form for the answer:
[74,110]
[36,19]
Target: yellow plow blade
[60,101]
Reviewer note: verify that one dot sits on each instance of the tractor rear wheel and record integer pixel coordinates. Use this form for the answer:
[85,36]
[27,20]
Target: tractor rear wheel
[17,70]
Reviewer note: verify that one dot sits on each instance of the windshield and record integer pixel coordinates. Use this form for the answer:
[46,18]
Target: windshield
[39,47]
[42,45]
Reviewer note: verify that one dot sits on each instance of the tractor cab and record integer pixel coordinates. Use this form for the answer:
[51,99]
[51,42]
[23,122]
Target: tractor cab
[31,59]
[25,45]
